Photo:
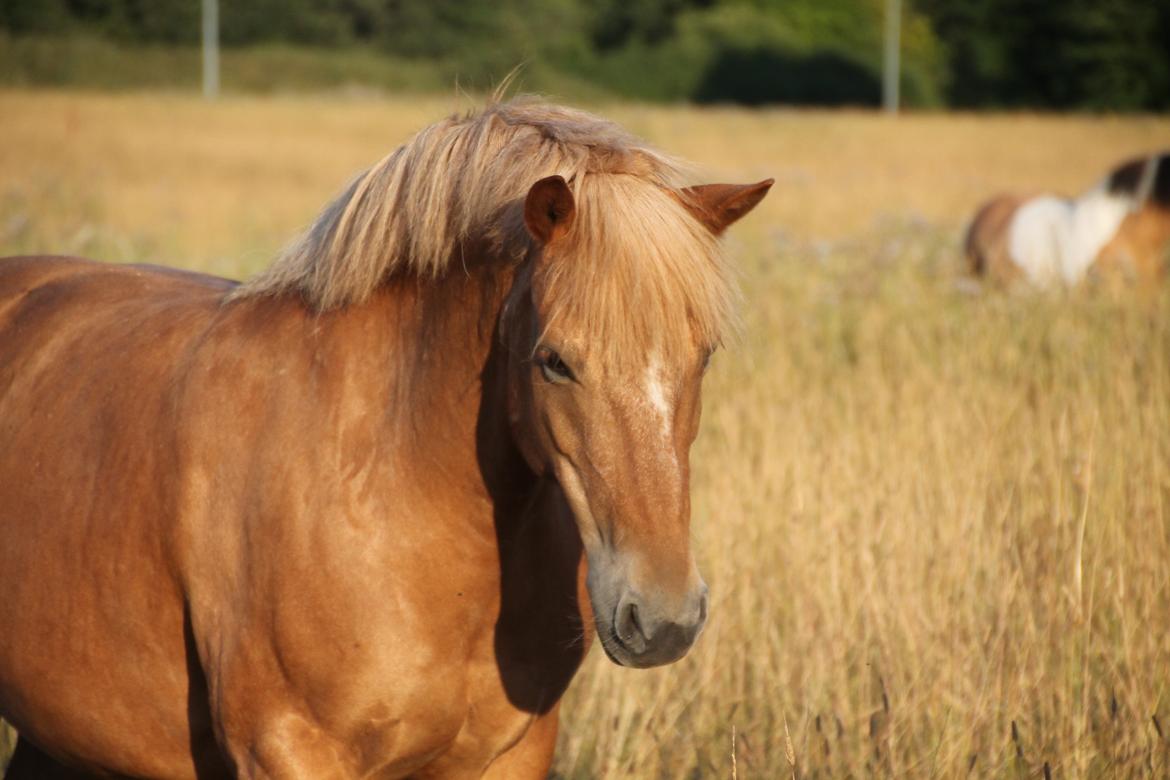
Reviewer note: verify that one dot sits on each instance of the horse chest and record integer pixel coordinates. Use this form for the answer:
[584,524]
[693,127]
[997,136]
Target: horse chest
[457,715]
[508,688]
[519,667]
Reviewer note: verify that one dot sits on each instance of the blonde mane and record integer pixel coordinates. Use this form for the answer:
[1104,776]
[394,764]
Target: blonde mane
[461,182]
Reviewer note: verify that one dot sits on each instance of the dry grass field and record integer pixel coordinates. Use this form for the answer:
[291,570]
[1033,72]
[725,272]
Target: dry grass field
[935,520]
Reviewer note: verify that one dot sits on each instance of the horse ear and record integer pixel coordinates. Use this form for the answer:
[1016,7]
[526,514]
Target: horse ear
[719,205]
[549,208]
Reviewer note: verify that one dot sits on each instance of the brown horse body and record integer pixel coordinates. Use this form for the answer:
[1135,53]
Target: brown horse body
[200,507]
[247,534]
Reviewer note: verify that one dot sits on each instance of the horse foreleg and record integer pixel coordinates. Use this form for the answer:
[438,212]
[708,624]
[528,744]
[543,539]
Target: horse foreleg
[30,763]
[287,747]
[532,756]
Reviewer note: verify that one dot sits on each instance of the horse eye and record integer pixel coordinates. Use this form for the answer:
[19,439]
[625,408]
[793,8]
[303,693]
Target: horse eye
[552,367]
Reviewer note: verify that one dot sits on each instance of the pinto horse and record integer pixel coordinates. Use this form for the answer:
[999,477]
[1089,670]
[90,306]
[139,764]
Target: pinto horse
[1122,224]
[359,515]
[1044,240]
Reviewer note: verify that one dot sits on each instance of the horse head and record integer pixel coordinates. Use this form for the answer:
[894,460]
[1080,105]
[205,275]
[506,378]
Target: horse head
[609,329]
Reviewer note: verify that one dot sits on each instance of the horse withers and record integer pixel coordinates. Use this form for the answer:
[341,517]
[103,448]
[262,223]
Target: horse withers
[360,515]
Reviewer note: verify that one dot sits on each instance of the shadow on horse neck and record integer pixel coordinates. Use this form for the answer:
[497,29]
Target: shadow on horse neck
[544,613]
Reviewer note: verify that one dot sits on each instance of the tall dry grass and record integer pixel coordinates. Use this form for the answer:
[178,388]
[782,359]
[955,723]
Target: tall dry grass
[931,521]
[936,522]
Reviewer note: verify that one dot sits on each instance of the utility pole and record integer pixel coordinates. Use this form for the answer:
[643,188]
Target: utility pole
[210,49]
[891,67]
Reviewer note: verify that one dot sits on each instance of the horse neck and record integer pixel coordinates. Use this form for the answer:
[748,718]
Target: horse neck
[449,383]
[411,379]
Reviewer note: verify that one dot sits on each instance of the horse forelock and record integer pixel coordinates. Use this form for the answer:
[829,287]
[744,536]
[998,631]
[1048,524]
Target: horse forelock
[637,275]
[461,183]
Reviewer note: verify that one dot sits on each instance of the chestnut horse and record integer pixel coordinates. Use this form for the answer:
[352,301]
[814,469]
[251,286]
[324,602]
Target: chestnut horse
[357,516]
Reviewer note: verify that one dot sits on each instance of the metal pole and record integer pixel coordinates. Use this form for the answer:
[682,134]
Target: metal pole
[891,69]
[210,48]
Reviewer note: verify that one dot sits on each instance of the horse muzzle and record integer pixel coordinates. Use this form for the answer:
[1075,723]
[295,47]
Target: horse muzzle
[642,633]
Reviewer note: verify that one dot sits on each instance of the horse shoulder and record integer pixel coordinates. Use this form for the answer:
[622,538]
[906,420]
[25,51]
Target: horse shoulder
[337,596]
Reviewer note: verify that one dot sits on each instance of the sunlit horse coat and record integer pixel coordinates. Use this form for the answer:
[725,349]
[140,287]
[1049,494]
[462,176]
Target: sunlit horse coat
[356,517]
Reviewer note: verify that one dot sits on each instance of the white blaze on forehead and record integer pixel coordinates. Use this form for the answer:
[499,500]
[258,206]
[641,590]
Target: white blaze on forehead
[656,393]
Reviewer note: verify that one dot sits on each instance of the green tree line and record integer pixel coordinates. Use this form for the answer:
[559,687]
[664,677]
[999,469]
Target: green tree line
[1072,54]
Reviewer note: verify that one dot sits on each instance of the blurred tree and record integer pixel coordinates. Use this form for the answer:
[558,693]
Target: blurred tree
[314,22]
[618,22]
[969,53]
[23,17]
[1071,54]
[1111,56]
[160,21]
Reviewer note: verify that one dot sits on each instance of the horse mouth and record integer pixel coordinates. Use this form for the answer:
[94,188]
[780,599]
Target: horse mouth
[612,644]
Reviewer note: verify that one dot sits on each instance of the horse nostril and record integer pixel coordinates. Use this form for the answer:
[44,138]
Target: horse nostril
[646,634]
[629,628]
[633,620]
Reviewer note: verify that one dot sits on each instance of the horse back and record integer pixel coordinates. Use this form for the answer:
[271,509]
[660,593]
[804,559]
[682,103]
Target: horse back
[57,307]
